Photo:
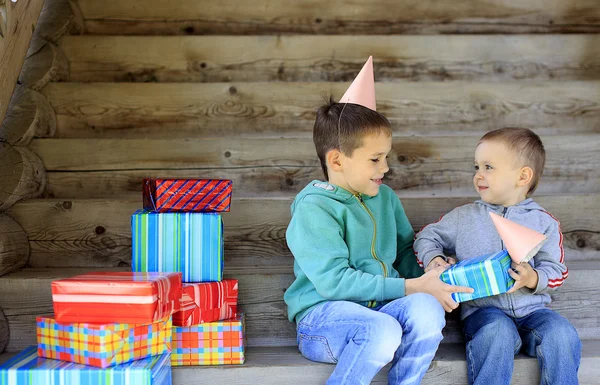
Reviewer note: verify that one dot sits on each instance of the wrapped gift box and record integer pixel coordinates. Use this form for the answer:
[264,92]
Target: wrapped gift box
[212,343]
[116,297]
[487,275]
[102,345]
[26,368]
[187,195]
[207,302]
[191,243]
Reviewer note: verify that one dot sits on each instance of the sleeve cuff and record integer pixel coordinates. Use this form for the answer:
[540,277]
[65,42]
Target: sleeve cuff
[392,288]
[542,281]
[430,255]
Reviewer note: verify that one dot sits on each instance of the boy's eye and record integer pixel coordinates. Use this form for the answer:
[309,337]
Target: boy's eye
[488,167]
[374,160]
[476,168]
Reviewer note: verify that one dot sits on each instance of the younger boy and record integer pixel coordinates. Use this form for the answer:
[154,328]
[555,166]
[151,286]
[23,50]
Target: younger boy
[359,298]
[508,166]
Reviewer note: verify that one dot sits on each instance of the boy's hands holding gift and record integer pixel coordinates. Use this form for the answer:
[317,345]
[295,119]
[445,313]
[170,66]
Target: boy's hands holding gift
[440,261]
[430,283]
[524,276]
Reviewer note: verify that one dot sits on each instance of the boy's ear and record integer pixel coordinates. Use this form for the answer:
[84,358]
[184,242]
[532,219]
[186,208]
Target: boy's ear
[525,176]
[334,160]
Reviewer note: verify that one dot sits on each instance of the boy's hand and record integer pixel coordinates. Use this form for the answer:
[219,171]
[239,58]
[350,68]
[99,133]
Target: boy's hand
[439,261]
[430,283]
[524,276]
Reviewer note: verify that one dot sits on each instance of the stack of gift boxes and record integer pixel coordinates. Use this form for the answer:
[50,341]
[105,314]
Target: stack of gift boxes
[173,309]
[181,229]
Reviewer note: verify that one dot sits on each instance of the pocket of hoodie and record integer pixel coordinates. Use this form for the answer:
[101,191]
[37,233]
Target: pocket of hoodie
[315,348]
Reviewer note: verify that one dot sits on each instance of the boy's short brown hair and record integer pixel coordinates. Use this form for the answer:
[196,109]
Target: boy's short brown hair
[356,122]
[526,145]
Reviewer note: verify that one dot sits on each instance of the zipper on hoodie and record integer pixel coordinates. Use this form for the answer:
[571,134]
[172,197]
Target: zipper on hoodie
[504,210]
[362,203]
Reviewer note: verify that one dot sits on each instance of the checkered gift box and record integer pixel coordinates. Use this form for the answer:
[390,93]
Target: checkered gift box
[102,345]
[487,275]
[26,368]
[212,343]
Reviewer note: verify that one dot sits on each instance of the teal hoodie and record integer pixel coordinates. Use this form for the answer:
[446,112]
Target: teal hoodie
[348,247]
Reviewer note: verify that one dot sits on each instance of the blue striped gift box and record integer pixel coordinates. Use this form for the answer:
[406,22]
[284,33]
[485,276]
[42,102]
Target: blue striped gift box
[26,368]
[487,274]
[190,243]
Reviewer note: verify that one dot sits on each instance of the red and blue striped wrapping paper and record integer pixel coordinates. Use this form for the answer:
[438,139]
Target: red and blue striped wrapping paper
[207,302]
[486,274]
[212,343]
[26,368]
[116,297]
[102,345]
[187,195]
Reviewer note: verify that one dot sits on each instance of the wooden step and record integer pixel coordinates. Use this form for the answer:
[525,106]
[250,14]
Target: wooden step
[119,17]
[427,166]
[97,233]
[285,365]
[188,110]
[331,58]
[26,294]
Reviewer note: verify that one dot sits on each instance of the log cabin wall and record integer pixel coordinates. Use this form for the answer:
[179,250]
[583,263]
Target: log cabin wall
[123,90]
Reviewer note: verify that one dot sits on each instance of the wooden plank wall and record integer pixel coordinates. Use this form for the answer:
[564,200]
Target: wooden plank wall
[226,89]
[17,22]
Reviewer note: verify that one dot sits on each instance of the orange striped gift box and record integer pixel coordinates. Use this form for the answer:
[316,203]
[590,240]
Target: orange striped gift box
[207,302]
[102,345]
[187,195]
[116,297]
[212,343]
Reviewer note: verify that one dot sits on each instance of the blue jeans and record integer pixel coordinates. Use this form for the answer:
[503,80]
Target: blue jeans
[493,338]
[361,341]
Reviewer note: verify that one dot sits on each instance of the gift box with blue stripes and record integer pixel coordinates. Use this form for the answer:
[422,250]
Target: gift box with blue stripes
[191,243]
[26,368]
[487,275]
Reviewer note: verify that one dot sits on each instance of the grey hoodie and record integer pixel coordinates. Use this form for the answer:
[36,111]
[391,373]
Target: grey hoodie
[468,232]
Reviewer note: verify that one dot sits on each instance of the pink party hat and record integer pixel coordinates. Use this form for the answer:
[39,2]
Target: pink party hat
[522,243]
[362,89]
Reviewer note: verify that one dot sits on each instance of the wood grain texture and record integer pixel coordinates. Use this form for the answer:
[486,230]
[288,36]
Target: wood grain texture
[494,58]
[426,166]
[4,332]
[29,115]
[58,17]
[261,298]
[17,22]
[44,63]
[188,110]
[14,247]
[22,174]
[339,17]
[97,233]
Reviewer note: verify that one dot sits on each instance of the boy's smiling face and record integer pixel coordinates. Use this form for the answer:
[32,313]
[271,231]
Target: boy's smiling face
[364,170]
[498,174]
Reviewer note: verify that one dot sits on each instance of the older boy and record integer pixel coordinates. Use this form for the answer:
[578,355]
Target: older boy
[359,298]
[508,166]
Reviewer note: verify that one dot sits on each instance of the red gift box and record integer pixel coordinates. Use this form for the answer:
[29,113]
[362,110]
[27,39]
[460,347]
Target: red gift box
[187,195]
[207,302]
[119,297]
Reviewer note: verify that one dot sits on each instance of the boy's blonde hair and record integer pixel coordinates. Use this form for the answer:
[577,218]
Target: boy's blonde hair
[526,145]
[345,133]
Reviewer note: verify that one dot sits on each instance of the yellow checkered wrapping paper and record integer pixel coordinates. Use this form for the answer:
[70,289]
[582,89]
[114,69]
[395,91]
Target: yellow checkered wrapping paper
[102,345]
[211,343]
